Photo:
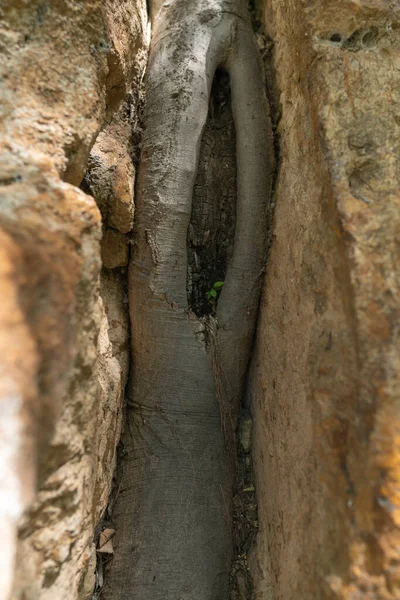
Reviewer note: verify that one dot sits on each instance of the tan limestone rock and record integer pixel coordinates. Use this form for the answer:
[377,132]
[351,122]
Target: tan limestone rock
[65,68]
[114,249]
[18,405]
[111,169]
[112,180]
[325,375]
[57,230]
[113,366]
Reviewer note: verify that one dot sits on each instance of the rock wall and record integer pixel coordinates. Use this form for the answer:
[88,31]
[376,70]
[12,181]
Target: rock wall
[324,380]
[65,69]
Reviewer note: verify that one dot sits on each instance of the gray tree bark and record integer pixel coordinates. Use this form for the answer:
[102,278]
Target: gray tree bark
[173,513]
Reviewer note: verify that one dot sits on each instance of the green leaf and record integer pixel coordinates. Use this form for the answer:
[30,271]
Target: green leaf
[213,293]
[218,285]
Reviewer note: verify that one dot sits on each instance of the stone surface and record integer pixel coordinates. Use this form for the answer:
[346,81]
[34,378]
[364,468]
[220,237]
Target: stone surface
[110,175]
[17,480]
[113,366]
[65,68]
[56,229]
[114,249]
[324,379]
[56,552]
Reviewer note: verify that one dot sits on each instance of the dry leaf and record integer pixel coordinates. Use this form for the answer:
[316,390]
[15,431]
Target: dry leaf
[105,541]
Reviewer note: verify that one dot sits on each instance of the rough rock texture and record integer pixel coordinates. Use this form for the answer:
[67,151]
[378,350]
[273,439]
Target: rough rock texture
[111,174]
[65,67]
[56,229]
[324,381]
[113,371]
[110,177]
[16,447]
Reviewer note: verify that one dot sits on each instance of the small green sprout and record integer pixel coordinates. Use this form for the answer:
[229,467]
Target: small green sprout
[212,294]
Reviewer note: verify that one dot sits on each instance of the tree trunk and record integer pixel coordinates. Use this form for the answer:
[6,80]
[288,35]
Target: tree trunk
[173,513]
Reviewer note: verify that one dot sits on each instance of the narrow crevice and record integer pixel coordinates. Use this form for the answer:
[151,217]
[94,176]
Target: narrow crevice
[106,524]
[212,224]
[245,509]
[245,513]
[100,187]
